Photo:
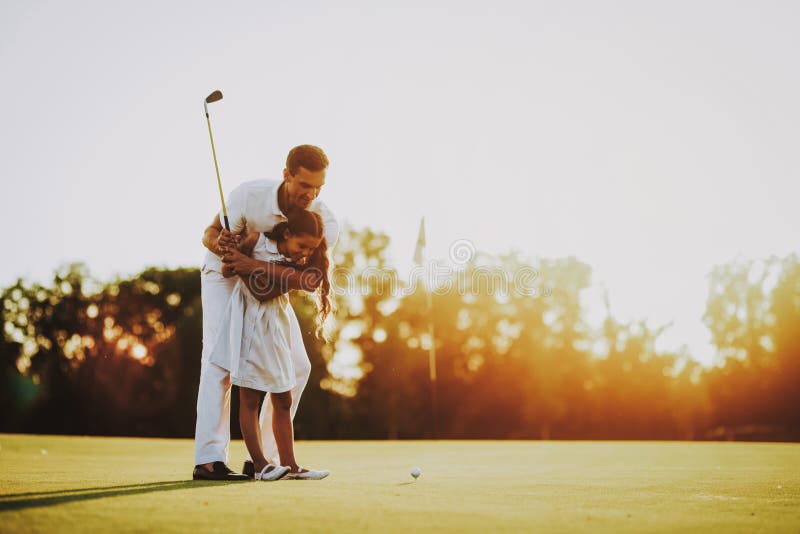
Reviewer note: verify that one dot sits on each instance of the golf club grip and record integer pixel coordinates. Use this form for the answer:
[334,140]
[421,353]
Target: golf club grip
[227,226]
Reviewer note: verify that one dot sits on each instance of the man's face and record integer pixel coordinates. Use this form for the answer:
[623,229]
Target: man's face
[303,187]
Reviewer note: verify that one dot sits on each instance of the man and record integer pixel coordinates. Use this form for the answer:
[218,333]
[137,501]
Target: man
[254,206]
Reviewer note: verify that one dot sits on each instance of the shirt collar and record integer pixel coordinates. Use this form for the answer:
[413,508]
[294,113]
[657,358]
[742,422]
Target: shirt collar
[270,245]
[276,209]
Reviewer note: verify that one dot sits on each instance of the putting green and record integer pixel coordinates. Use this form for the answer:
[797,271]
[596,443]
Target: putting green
[77,484]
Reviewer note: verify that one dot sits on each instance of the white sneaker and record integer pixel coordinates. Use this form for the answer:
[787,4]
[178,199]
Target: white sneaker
[307,475]
[275,474]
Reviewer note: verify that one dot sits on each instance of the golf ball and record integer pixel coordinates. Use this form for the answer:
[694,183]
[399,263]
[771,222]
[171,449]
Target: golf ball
[415,472]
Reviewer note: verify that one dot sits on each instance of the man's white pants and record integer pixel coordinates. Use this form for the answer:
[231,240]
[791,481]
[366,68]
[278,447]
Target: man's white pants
[212,432]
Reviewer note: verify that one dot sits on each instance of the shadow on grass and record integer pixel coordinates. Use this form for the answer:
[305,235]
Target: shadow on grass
[21,501]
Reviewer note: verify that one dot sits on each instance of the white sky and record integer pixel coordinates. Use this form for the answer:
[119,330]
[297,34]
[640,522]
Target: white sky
[652,140]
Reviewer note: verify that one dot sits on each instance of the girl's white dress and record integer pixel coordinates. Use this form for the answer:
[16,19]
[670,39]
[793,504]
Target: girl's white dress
[254,344]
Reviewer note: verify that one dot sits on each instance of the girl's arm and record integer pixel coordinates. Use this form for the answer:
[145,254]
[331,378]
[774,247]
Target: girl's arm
[264,288]
[260,290]
[268,273]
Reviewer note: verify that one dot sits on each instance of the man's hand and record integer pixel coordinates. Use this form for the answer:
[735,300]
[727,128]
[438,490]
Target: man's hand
[217,239]
[237,263]
[226,241]
[227,270]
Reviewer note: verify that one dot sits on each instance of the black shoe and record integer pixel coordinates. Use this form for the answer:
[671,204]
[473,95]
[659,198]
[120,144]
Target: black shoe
[249,469]
[220,472]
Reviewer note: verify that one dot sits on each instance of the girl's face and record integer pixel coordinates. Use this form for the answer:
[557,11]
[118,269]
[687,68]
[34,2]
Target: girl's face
[299,247]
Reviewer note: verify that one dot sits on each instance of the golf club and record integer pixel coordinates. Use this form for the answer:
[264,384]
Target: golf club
[214,97]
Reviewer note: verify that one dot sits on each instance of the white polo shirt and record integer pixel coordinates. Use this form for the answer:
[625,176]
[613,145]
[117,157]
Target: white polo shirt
[253,206]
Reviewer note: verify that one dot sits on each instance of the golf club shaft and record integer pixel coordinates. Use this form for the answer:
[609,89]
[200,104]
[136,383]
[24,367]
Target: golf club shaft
[219,180]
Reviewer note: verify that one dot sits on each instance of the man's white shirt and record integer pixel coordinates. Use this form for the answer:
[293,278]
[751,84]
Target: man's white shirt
[253,206]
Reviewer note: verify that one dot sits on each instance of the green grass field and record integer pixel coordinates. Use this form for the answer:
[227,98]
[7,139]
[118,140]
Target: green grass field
[77,484]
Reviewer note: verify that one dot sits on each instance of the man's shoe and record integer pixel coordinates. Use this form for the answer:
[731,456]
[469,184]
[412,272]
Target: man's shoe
[249,469]
[220,472]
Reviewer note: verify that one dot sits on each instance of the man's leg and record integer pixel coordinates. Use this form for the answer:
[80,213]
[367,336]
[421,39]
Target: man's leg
[302,369]
[212,432]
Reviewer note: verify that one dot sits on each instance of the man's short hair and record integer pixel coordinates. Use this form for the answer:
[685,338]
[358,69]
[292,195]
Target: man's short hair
[308,156]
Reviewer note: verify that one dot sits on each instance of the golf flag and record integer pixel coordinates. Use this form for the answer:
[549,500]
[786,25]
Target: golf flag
[420,242]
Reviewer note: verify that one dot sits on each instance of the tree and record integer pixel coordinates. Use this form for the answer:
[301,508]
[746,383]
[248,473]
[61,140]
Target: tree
[753,311]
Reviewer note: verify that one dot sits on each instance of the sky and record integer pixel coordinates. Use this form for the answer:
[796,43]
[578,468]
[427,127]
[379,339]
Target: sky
[652,140]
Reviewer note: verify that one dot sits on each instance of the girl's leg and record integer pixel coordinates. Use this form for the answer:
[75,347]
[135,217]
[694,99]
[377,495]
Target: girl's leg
[249,400]
[302,369]
[282,427]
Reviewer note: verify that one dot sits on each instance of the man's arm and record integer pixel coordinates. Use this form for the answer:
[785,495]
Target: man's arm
[266,273]
[217,239]
[262,288]
[246,246]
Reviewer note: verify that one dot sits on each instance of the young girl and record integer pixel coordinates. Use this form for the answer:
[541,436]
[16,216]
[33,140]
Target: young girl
[257,350]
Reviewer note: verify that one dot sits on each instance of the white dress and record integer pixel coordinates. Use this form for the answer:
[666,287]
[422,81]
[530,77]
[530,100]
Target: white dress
[254,343]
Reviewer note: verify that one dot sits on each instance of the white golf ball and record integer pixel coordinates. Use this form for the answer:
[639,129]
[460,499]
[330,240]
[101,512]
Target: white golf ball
[415,472]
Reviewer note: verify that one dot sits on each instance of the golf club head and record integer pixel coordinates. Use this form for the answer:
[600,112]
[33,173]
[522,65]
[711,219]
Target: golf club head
[213,97]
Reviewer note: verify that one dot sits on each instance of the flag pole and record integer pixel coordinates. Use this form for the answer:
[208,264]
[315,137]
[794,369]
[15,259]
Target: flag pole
[418,258]
[432,367]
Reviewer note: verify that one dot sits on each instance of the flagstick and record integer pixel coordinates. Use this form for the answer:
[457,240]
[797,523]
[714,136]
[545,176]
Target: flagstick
[419,260]
[432,366]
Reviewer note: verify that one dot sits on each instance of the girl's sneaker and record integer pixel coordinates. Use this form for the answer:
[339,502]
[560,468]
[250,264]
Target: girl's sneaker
[277,472]
[307,474]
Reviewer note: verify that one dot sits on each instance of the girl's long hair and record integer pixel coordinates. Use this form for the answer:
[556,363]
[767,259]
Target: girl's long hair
[304,222]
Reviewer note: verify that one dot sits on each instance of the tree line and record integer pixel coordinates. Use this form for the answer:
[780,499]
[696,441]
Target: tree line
[78,356]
